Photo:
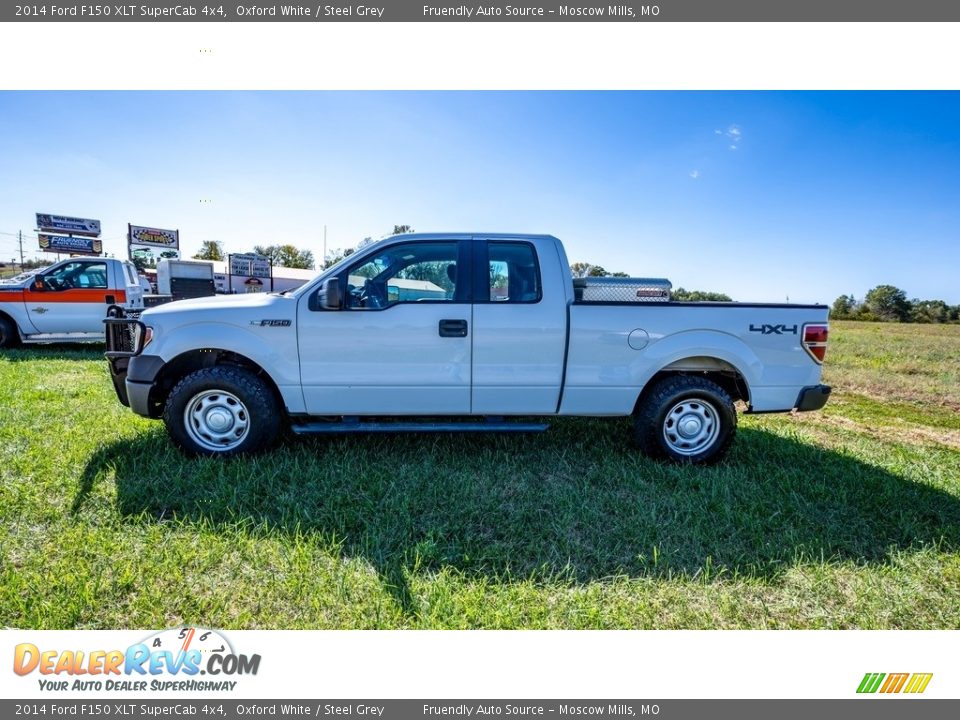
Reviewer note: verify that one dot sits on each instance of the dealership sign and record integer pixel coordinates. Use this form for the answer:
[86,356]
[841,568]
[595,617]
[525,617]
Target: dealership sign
[72,245]
[250,265]
[154,237]
[65,224]
[144,241]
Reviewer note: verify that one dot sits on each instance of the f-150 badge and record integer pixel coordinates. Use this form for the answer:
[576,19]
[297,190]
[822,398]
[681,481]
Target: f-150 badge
[270,323]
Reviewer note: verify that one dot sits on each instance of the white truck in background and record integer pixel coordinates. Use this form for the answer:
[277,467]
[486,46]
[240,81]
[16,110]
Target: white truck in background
[464,333]
[181,280]
[67,301]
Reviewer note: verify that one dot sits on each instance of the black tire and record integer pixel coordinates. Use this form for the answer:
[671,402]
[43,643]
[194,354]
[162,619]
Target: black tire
[231,400]
[9,337]
[685,419]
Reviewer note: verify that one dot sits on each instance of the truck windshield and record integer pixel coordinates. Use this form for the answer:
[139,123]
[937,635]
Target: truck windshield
[296,292]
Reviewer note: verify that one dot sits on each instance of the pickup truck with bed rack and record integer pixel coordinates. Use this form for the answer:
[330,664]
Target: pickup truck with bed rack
[464,332]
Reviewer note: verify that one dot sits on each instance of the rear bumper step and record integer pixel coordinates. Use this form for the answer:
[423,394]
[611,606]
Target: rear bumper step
[813,397]
[341,428]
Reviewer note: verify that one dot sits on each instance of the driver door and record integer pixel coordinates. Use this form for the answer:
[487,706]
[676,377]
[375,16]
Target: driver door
[73,298]
[401,342]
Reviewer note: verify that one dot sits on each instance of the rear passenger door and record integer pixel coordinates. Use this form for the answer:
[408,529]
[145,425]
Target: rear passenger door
[519,332]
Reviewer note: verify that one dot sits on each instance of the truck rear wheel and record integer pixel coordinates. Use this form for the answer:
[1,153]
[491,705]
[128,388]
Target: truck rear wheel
[9,337]
[686,419]
[222,411]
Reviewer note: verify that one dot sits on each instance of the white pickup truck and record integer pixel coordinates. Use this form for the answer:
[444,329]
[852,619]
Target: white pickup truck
[464,332]
[67,301]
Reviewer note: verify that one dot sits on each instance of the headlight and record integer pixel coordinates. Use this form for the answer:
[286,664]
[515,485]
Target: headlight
[142,335]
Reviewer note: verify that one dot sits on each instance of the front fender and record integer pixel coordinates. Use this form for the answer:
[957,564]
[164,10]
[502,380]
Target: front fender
[272,348]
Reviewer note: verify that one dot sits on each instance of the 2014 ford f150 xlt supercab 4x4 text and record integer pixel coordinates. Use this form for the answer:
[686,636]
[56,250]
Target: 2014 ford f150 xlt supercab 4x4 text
[464,332]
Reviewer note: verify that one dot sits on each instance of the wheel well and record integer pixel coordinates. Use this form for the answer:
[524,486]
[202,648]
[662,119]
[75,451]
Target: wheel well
[13,322]
[182,365]
[723,374]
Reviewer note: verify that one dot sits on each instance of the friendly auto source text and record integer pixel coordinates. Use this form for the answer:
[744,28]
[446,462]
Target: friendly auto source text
[464,710]
[541,11]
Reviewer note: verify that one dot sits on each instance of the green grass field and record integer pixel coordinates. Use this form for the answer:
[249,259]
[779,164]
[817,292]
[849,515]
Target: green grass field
[847,518]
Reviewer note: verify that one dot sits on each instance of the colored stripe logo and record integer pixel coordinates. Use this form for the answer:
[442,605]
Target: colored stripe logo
[913,683]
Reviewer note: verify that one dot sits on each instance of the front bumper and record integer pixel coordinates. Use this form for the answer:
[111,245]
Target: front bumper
[813,397]
[132,374]
[133,379]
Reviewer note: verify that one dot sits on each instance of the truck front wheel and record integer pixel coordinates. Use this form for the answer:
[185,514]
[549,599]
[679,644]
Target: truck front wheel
[686,419]
[222,411]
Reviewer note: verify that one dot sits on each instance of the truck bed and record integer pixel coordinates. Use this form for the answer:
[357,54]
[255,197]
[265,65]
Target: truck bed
[616,346]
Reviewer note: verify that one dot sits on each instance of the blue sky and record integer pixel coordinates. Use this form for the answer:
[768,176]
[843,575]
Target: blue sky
[760,195]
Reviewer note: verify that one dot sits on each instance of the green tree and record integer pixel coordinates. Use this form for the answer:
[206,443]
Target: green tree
[843,307]
[580,269]
[401,229]
[210,250]
[286,256]
[930,311]
[888,303]
[682,295]
[335,256]
[584,269]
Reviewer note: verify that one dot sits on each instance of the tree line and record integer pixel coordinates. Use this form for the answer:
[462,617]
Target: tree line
[888,303]
[584,269]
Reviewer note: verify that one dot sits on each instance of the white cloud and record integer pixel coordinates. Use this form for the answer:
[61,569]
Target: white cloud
[733,135]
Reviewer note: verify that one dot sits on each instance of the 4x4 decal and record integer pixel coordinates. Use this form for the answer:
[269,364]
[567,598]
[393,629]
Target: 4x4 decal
[773,329]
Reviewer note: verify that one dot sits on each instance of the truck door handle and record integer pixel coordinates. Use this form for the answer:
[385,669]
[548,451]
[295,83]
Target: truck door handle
[453,328]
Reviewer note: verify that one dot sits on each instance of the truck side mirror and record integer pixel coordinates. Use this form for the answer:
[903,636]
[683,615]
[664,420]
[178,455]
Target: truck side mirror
[38,285]
[328,296]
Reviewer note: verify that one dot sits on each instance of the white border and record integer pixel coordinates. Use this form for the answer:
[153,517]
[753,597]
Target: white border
[721,664]
[480,56]
[543,664]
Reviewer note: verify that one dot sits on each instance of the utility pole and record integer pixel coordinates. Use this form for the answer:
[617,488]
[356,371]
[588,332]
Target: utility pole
[20,237]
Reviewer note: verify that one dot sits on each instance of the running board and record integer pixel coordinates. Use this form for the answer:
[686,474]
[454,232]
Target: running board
[38,338]
[342,428]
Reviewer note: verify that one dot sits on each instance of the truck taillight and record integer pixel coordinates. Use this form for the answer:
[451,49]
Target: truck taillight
[815,341]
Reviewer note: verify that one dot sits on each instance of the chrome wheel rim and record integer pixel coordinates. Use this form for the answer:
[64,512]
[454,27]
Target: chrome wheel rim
[691,426]
[216,420]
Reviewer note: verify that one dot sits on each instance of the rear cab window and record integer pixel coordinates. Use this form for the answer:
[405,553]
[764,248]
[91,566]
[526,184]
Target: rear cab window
[513,273]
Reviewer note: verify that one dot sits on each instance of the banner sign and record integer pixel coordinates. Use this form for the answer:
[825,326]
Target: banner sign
[250,265]
[72,245]
[72,225]
[107,705]
[631,11]
[153,237]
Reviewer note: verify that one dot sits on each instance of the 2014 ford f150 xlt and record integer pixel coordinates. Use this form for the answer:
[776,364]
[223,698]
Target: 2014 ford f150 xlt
[464,332]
